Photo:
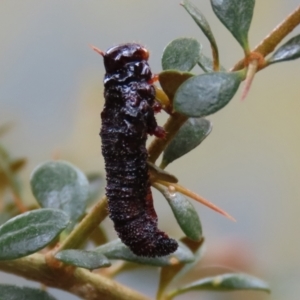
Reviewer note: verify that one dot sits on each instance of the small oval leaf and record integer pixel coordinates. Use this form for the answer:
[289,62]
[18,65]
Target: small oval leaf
[117,250]
[59,184]
[205,94]
[12,292]
[171,80]
[289,51]
[236,15]
[30,232]
[185,214]
[224,282]
[84,259]
[181,54]
[190,135]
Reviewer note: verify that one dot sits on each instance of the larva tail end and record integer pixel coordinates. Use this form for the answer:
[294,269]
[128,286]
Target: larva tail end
[156,246]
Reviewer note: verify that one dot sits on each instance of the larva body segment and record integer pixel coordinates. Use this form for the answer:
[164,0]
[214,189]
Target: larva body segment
[127,118]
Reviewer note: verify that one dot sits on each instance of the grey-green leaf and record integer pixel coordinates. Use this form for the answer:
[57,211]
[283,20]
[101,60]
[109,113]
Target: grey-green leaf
[84,259]
[117,250]
[12,292]
[185,214]
[206,64]
[289,51]
[181,54]
[190,135]
[224,282]
[205,94]
[59,184]
[30,232]
[236,15]
[201,21]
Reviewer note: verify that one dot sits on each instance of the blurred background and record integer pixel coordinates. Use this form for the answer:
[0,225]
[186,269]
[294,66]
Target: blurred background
[51,91]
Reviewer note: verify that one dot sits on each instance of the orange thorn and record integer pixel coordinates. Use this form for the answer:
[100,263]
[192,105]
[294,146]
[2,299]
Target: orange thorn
[97,50]
[252,69]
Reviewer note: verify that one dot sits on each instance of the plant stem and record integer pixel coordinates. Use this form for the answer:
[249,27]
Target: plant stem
[173,124]
[78,281]
[275,37]
[85,227]
[215,55]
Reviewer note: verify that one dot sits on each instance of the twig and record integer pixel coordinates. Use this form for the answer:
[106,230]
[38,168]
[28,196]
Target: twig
[81,282]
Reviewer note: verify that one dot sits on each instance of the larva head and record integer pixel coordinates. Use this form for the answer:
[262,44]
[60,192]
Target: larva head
[117,57]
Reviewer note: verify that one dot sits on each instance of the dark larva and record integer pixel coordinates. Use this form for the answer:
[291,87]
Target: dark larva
[127,118]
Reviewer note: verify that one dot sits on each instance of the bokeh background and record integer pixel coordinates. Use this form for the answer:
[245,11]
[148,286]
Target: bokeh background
[51,90]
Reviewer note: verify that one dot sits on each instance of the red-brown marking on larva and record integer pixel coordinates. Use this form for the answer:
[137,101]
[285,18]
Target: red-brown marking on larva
[127,119]
[159,132]
[157,107]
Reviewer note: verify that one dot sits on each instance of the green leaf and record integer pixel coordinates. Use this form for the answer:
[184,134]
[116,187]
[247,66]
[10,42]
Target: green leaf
[58,184]
[160,174]
[185,214]
[289,51]
[190,135]
[224,282]
[172,273]
[236,15]
[117,250]
[206,64]
[181,54]
[201,21]
[84,259]
[171,80]
[30,232]
[12,292]
[205,94]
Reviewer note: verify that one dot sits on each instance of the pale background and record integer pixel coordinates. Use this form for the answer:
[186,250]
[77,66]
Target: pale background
[51,88]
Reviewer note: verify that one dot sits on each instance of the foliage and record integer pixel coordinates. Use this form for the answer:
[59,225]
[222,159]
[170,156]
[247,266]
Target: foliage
[43,244]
